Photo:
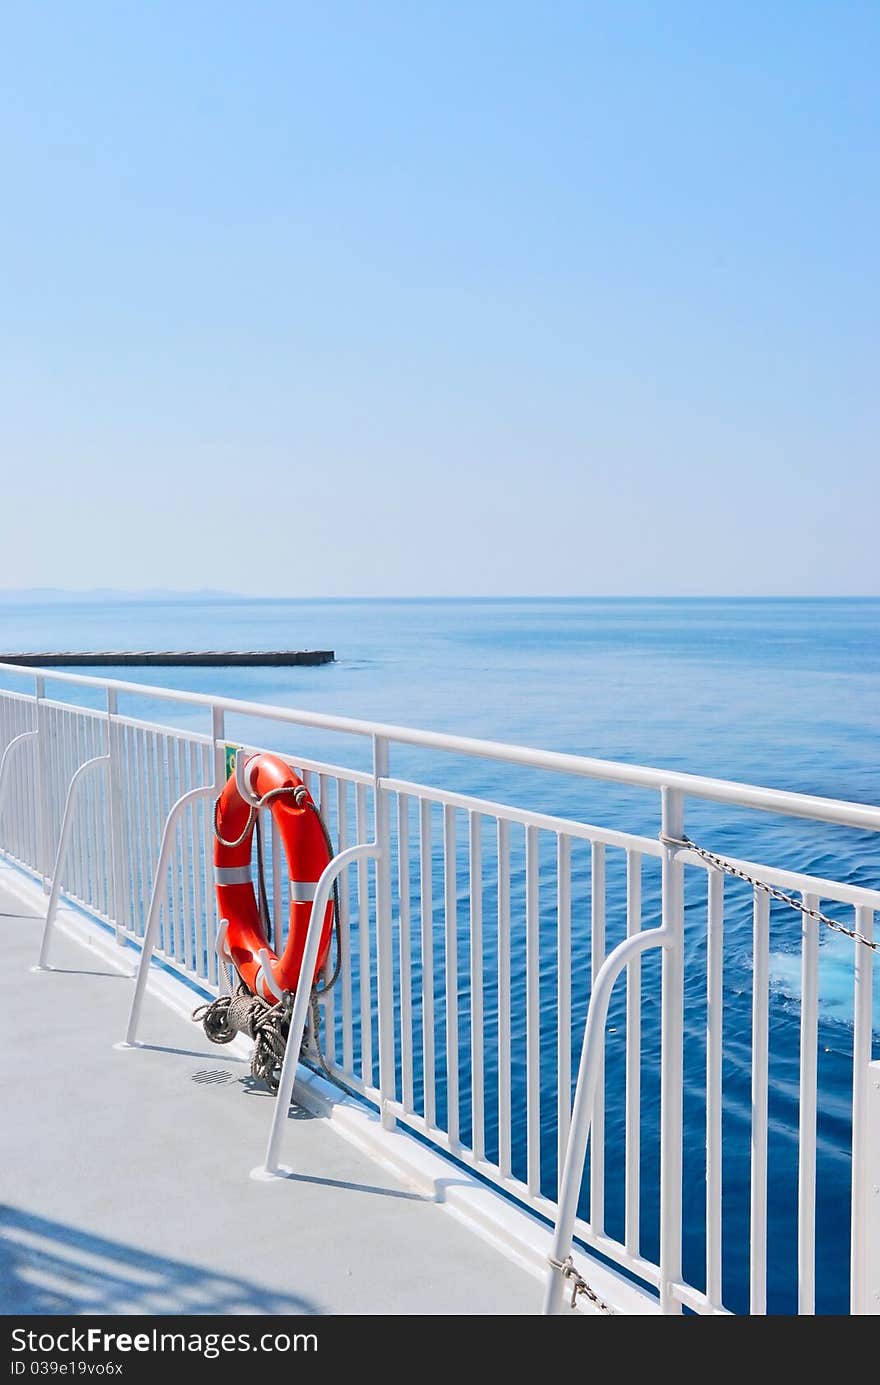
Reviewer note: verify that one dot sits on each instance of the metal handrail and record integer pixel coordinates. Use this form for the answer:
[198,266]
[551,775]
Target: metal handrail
[144,763]
[97,762]
[584,1098]
[783,801]
[151,926]
[6,758]
[271,1168]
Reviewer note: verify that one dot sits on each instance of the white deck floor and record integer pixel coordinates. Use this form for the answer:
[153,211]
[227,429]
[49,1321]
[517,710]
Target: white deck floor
[125,1173]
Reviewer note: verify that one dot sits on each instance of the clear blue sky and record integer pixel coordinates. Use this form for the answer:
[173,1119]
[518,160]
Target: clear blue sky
[390,298]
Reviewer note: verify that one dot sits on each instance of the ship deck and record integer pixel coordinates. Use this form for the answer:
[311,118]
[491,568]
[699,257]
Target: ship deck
[126,1171]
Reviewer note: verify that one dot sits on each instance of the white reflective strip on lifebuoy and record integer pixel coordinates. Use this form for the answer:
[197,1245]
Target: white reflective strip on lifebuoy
[301,891]
[232,875]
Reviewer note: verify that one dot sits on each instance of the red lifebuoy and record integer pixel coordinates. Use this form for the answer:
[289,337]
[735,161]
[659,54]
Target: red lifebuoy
[305,846]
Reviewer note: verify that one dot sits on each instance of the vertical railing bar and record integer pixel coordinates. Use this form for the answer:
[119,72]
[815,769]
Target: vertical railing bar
[329,1003]
[135,831]
[187,864]
[633,1097]
[132,829]
[26,795]
[405,940]
[533,1017]
[201,864]
[597,957]
[426,913]
[96,843]
[451,971]
[213,967]
[862,1300]
[119,767]
[809,1055]
[21,818]
[73,758]
[175,789]
[158,817]
[475,853]
[55,752]
[345,931]
[504,1053]
[87,818]
[384,931]
[79,744]
[760,1072]
[714,1037]
[47,757]
[62,766]
[16,824]
[43,760]
[125,835]
[365,987]
[31,796]
[279,913]
[164,801]
[78,755]
[672,1052]
[114,817]
[99,847]
[563,1000]
[142,822]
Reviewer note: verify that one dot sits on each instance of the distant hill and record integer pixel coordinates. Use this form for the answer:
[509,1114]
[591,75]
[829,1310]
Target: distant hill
[55,595]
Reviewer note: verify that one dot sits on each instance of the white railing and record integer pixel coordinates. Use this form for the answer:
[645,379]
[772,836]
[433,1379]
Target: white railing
[471,943]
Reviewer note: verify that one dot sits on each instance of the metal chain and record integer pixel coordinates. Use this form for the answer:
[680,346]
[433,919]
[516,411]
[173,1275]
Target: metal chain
[729,869]
[579,1285]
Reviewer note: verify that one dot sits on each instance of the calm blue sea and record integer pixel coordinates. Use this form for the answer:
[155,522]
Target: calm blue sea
[777,692]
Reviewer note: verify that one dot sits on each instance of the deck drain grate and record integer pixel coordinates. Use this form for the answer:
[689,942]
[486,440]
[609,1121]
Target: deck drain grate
[206,1075]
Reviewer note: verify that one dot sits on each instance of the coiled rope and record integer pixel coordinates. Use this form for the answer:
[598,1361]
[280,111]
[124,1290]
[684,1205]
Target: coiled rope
[245,1013]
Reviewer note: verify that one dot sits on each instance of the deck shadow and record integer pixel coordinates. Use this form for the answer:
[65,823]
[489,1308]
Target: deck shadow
[348,1185]
[84,971]
[50,1267]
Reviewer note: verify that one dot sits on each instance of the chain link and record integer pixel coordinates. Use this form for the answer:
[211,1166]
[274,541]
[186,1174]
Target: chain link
[580,1286]
[729,869]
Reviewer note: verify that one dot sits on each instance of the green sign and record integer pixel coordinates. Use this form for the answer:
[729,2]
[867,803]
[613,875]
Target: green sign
[230,760]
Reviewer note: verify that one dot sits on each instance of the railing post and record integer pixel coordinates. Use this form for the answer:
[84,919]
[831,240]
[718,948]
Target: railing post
[384,962]
[218,733]
[43,846]
[114,802]
[865,1215]
[672,1019]
[867,1298]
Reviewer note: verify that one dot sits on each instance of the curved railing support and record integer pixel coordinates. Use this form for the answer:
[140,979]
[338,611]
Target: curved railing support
[364,850]
[98,761]
[6,758]
[152,925]
[584,1097]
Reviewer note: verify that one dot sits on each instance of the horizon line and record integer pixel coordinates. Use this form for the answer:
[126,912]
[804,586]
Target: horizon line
[219,594]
